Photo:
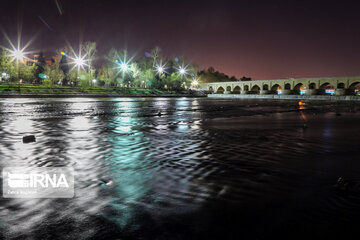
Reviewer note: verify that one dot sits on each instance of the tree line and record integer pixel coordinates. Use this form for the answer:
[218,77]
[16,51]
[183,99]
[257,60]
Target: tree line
[119,69]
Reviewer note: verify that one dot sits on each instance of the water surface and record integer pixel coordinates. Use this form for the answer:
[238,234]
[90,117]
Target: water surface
[185,168]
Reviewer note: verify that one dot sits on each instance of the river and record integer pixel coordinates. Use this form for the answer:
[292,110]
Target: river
[185,168]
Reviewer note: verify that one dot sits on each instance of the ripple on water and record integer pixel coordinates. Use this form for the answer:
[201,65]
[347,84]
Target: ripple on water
[197,157]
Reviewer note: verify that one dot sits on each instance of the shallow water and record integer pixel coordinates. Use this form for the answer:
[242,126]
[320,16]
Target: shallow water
[203,168]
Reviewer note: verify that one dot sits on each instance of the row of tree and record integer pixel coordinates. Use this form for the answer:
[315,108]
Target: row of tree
[210,75]
[152,70]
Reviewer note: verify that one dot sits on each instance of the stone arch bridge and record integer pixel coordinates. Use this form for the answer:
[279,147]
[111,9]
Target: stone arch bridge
[308,86]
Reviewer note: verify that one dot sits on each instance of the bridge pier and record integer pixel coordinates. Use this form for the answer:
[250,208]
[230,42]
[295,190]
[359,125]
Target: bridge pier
[311,91]
[285,92]
[350,91]
[264,92]
[227,92]
[340,92]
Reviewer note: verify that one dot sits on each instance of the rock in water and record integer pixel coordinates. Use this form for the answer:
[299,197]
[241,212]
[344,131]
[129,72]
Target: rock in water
[29,139]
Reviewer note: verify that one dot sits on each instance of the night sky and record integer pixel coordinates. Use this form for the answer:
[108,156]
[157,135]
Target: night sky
[258,39]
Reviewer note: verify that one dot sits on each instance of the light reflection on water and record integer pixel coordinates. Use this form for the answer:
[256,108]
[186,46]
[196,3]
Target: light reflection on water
[190,171]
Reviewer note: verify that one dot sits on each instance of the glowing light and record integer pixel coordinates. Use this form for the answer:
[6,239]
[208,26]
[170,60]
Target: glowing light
[124,67]
[94,80]
[329,91]
[182,71]
[79,62]
[17,54]
[160,69]
[195,82]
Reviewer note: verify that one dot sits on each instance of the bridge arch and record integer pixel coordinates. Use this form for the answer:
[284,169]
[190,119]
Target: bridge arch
[287,86]
[220,90]
[340,85]
[354,88]
[246,88]
[276,87]
[326,85]
[312,85]
[327,88]
[265,87]
[354,85]
[236,90]
[300,88]
[255,89]
[228,88]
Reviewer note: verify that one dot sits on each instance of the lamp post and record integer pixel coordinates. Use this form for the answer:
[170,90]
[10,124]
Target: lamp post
[18,55]
[160,70]
[79,63]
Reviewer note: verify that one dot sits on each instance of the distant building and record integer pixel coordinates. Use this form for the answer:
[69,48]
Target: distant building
[35,58]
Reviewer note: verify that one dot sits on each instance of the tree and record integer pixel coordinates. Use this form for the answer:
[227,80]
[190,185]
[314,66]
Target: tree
[245,79]
[155,54]
[54,73]
[6,64]
[89,49]
[211,70]
[27,72]
[63,64]
[147,78]
[40,67]
[175,81]
[104,76]
[233,79]
[135,72]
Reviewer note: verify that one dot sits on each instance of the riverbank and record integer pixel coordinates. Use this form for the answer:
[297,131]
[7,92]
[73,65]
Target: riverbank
[81,95]
[286,97]
[41,91]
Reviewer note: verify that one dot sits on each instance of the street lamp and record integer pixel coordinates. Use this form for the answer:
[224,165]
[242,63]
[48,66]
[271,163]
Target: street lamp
[182,71]
[79,62]
[17,54]
[160,68]
[124,67]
